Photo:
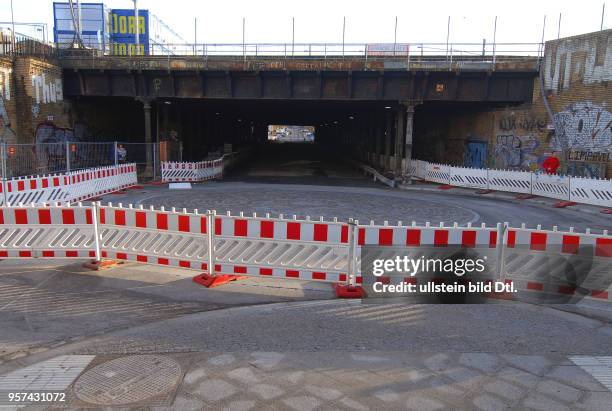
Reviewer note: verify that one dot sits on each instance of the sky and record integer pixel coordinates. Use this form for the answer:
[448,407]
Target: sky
[320,21]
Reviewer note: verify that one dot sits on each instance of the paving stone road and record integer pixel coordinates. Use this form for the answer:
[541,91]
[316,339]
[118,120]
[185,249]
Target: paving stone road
[363,203]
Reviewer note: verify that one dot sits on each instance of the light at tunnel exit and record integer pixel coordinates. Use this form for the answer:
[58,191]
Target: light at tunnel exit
[291,134]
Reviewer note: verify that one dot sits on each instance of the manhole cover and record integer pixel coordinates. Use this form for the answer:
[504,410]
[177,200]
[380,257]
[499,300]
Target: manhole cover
[128,380]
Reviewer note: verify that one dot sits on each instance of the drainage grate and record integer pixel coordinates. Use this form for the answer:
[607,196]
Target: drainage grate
[128,380]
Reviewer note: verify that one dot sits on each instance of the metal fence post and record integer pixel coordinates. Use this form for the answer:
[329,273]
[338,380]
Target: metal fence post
[502,230]
[352,252]
[94,216]
[210,231]
[154,148]
[116,154]
[67,156]
[3,154]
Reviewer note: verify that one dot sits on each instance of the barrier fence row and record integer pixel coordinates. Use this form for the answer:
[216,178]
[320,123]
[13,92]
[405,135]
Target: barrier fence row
[577,189]
[174,171]
[287,248]
[181,171]
[67,187]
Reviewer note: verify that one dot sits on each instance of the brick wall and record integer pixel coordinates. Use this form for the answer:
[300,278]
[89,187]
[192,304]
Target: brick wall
[576,72]
[39,96]
[8,110]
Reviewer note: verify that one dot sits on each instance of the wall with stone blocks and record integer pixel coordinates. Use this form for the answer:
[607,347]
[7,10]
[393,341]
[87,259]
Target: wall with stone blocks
[575,72]
[31,97]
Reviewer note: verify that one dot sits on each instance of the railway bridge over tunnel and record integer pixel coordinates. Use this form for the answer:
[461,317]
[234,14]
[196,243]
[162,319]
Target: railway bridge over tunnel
[386,105]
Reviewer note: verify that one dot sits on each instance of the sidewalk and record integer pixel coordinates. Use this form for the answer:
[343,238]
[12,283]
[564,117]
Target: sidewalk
[340,355]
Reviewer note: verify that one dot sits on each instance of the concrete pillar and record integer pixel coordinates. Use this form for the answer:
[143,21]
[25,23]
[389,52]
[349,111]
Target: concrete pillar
[408,142]
[146,105]
[388,131]
[399,141]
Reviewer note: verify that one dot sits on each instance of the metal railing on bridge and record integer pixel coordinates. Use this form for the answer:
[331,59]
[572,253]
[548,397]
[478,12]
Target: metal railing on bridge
[479,52]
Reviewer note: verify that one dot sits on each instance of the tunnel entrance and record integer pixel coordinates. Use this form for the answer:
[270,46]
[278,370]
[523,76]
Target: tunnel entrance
[336,131]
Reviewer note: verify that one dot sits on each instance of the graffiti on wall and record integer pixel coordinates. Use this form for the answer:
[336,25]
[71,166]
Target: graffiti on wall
[47,90]
[523,124]
[517,143]
[574,60]
[512,151]
[584,126]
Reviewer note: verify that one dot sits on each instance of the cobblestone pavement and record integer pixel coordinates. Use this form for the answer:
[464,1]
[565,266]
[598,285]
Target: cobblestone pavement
[363,203]
[387,380]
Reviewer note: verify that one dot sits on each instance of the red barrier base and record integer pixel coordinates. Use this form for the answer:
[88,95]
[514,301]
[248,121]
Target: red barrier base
[136,187]
[483,191]
[525,196]
[157,183]
[349,291]
[563,204]
[606,211]
[445,187]
[118,192]
[211,281]
[95,199]
[102,265]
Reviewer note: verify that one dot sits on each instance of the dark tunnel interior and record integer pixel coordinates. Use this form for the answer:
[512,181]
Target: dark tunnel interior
[341,127]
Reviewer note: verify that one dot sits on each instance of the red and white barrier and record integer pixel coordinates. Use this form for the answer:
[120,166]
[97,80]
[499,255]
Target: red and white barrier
[189,171]
[69,187]
[278,247]
[48,232]
[428,235]
[511,181]
[289,248]
[577,189]
[553,186]
[469,177]
[591,191]
[548,260]
[438,173]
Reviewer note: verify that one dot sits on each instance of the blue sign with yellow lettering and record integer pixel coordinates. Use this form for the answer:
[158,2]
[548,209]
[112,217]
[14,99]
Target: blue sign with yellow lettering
[122,27]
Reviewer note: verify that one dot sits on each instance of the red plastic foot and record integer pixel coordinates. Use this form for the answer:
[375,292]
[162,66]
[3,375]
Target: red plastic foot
[118,192]
[157,183]
[563,204]
[445,187]
[210,281]
[95,199]
[102,265]
[483,191]
[349,291]
[524,196]
[136,187]
[607,210]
